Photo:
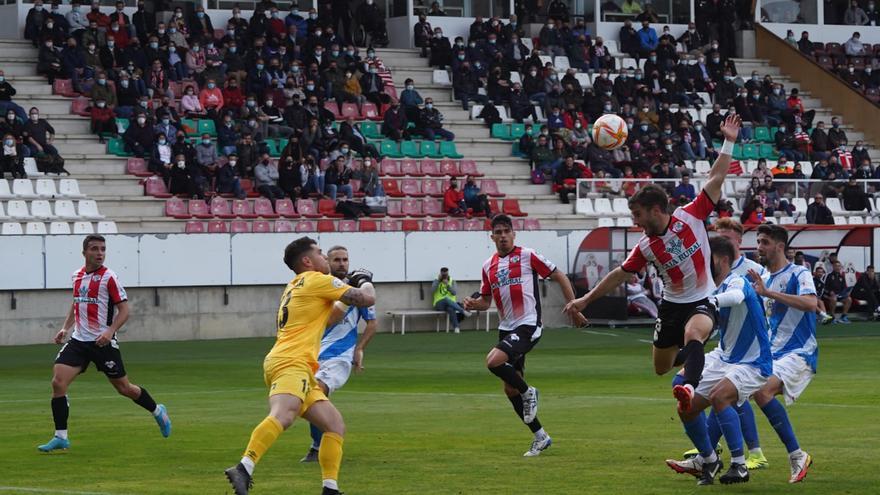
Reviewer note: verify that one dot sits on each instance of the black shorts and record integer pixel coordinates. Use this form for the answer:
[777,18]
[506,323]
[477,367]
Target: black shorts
[517,343]
[79,354]
[672,317]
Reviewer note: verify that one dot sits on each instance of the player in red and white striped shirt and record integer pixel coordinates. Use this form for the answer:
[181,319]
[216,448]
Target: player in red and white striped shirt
[99,309]
[678,247]
[510,278]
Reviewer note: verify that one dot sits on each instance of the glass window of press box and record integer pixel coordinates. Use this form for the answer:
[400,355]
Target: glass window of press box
[658,12]
[457,8]
[799,12]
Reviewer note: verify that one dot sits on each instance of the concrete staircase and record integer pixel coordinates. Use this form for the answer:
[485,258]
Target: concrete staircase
[120,196]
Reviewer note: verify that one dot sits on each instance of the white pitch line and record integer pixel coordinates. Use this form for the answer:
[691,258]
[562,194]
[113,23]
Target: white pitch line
[48,491]
[646,341]
[601,333]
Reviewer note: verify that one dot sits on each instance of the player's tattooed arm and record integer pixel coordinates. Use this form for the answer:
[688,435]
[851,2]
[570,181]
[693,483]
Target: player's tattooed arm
[361,297]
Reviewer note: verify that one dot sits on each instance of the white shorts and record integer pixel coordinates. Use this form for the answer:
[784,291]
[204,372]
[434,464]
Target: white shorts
[746,378]
[334,373]
[795,374]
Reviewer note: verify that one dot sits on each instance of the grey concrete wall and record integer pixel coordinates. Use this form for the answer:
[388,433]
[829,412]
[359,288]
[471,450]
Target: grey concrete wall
[196,313]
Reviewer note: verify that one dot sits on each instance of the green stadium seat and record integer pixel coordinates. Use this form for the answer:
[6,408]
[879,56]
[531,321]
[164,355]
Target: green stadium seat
[517,130]
[501,131]
[536,129]
[272,146]
[207,126]
[750,151]
[767,151]
[190,127]
[122,124]
[430,149]
[371,130]
[117,147]
[762,134]
[447,149]
[410,149]
[390,149]
[737,151]
[516,152]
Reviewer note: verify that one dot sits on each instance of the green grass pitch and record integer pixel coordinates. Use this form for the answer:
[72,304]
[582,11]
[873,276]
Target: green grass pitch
[425,418]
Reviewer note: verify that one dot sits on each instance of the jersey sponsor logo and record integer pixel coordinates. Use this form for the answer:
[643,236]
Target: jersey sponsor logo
[96,278]
[83,296]
[514,259]
[677,227]
[504,279]
[679,254]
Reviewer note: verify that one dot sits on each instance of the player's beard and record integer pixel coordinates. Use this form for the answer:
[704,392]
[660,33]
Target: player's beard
[339,275]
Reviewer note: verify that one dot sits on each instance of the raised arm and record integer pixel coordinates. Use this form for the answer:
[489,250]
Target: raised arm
[730,129]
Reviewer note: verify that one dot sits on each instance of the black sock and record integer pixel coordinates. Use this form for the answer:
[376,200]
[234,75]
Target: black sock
[510,377]
[517,402]
[680,357]
[694,361]
[145,401]
[60,412]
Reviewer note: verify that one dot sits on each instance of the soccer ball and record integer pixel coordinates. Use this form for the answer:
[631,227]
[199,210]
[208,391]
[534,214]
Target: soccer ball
[609,132]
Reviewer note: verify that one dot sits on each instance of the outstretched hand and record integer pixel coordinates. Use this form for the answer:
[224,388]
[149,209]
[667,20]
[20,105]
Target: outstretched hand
[730,127]
[757,283]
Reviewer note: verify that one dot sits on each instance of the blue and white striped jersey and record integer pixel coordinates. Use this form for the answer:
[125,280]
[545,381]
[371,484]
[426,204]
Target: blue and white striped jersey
[744,338]
[743,265]
[340,339]
[792,330]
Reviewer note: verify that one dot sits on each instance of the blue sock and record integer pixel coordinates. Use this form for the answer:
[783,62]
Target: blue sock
[747,423]
[677,380]
[696,431]
[729,421]
[316,436]
[714,428]
[778,418]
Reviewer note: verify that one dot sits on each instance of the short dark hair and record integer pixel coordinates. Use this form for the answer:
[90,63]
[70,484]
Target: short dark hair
[337,248]
[502,220]
[294,252]
[721,246]
[650,196]
[775,232]
[92,238]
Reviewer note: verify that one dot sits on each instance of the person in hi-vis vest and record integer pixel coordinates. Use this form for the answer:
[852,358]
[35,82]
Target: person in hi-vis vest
[444,292]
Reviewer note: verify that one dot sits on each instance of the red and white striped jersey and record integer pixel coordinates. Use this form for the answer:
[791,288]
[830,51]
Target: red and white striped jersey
[512,280]
[681,254]
[94,297]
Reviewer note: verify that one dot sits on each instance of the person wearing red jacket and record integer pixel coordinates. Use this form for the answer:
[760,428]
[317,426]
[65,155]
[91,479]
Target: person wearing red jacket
[233,97]
[118,34]
[211,98]
[103,119]
[569,118]
[453,200]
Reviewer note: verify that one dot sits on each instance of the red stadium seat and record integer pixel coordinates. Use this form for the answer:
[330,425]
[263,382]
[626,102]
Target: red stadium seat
[474,224]
[450,167]
[433,208]
[306,208]
[350,110]
[395,209]
[64,87]
[217,227]
[262,227]
[175,207]
[155,186]
[239,227]
[284,208]
[493,206]
[371,112]
[469,167]
[430,168]
[490,187]
[326,226]
[248,186]
[80,106]
[518,224]
[411,168]
[199,209]
[283,226]
[453,224]
[433,188]
[511,207]
[532,224]
[327,208]
[411,187]
[368,226]
[194,227]
[433,225]
[263,208]
[356,187]
[220,208]
[137,167]
[390,225]
[390,167]
[348,226]
[305,226]
[391,188]
[331,107]
[410,226]
[391,91]
[412,208]
[243,208]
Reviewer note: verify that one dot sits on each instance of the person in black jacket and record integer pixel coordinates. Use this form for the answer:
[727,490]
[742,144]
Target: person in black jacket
[629,39]
[465,83]
[138,137]
[867,289]
[566,179]
[12,157]
[350,132]
[394,123]
[422,33]
[854,197]
[431,123]
[818,213]
[186,178]
[441,50]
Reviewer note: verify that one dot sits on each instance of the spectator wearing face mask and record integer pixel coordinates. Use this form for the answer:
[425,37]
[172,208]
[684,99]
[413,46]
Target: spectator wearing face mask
[12,158]
[337,179]
[373,87]
[430,123]
[206,155]
[191,105]
[422,33]
[161,156]
[185,177]
[441,50]
[6,103]
[854,15]
[266,179]
[836,135]
[394,123]
[453,200]
[39,135]
[103,120]
[371,184]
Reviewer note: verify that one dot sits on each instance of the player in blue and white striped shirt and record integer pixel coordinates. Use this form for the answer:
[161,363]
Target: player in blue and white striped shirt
[790,297]
[743,365]
[340,346]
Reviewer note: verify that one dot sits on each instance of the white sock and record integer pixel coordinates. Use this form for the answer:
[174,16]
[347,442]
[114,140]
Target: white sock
[331,484]
[796,453]
[156,412]
[248,464]
[740,459]
[61,434]
[540,434]
[712,457]
[756,451]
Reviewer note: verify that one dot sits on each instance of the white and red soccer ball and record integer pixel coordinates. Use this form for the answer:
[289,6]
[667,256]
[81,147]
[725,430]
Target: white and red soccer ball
[609,132]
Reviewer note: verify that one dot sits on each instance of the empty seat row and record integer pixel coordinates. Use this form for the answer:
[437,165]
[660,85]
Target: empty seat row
[58,228]
[418,149]
[426,167]
[432,187]
[604,207]
[42,209]
[386,225]
[41,188]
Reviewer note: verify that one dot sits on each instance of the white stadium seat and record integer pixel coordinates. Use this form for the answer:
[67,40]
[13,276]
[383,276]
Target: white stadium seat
[11,228]
[584,79]
[613,49]
[18,210]
[606,222]
[625,222]
[515,77]
[800,205]
[545,59]
[59,228]
[502,114]
[807,169]
[603,207]
[46,188]
[107,227]
[30,167]
[628,63]
[856,220]
[35,228]
[3,212]
[703,167]
[88,208]
[838,220]
[83,228]
[23,188]
[786,220]
[64,209]
[584,206]
[69,188]
[5,193]
[441,77]
[475,110]
[528,43]
[620,206]
[41,209]
[561,62]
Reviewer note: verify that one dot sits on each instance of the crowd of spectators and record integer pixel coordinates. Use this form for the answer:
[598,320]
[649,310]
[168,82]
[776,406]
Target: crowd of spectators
[857,63]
